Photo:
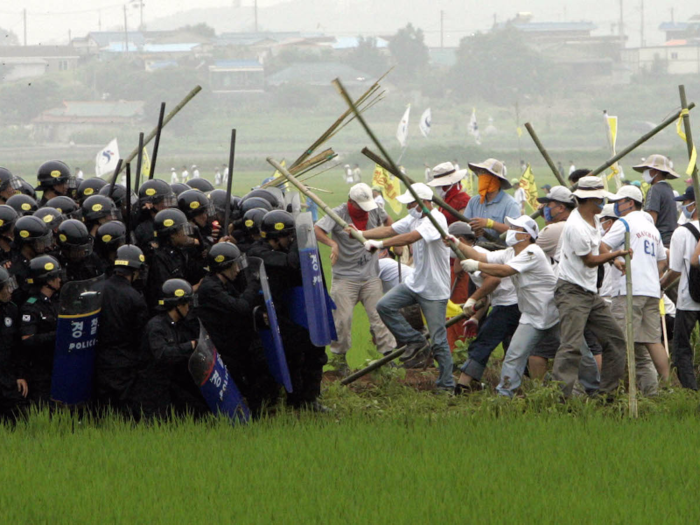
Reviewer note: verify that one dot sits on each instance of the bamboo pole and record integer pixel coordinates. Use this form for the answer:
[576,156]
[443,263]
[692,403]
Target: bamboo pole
[454,246]
[631,363]
[167,119]
[156,144]
[629,149]
[311,195]
[300,168]
[689,138]
[373,366]
[544,153]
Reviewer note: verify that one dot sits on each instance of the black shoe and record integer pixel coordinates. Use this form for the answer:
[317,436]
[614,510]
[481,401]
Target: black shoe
[412,350]
[419,359]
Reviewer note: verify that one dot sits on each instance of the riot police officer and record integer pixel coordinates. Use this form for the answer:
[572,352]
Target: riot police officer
[13,383]
[251,228]
[154,196]
[76,252]
[122,322]
[163,381]
[110,236]
[199,211]
[226,303]
[32,238]
[280,253]
[67,206]
[98,210]
[9,185]
[89,187]
[8,218]
[39,317]
[22,204]
[54,179]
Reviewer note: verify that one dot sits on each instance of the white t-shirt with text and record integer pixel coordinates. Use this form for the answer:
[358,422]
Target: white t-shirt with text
[683,245]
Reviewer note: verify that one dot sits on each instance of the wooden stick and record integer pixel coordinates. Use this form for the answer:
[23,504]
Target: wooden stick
[631,363]
[395,169]
[127,219]
[229,182]
[167,119]
[689,138]
[355,234]
[629,149]
[156,144]
[320,189]
[664,331]
[544,153]
[377,364]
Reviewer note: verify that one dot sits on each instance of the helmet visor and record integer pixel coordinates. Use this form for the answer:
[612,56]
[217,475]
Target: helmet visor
[43,243]
[10,283]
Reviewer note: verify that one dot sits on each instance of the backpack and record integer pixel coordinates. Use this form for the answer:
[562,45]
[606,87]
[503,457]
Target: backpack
[693,272]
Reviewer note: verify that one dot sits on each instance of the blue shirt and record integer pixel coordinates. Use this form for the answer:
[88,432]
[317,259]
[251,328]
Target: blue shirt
[502,206]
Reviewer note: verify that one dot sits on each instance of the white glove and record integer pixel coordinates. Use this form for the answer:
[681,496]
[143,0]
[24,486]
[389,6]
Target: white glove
[452,238]
[469,265]
[468,307]
[372,245]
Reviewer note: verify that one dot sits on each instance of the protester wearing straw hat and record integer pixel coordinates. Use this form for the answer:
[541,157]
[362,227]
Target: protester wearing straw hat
[683,256]
[534,281]
[487,212]
[576,294]
[649,265]
[446,181]
[428,286]
[355,270]
[660,201]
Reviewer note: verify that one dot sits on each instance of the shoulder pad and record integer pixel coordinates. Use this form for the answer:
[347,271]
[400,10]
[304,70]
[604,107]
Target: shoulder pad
[31,300]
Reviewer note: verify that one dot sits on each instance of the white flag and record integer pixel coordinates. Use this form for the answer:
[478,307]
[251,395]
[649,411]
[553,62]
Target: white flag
[426,121]
[474,128]
[402,132]
[106,160]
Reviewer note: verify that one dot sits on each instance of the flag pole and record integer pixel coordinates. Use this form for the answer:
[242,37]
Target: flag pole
[631,363]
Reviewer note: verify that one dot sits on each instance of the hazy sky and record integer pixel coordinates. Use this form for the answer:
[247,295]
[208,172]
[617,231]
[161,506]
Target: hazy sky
[51,20]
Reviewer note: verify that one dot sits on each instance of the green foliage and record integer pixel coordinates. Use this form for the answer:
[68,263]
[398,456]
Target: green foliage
[410,54]
[201,29]
[499,66]
[367,57]
[24,100]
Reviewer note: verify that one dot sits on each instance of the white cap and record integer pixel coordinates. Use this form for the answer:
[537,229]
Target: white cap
[590,187]
[362,194]
[423,190]
[525,222]
[608,211]
[445,174]
[627,192]
[558,194]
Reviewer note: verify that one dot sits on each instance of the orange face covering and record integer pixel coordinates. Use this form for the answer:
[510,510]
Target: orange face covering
[488,184]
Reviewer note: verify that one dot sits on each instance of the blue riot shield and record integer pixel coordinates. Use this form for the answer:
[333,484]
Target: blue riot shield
[76,338]
[270,337]
[211,376]
[311,305]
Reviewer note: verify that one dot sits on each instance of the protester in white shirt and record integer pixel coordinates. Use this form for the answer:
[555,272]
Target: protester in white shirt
[649,264]
[185,174]
[502,320]
[174,179]
[684,254]
[519,195]
[389,272]
[429,285]
[576,294]
[195,171]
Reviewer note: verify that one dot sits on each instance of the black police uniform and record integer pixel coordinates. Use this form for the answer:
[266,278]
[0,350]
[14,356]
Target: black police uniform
[122,323]
[163,381]
[227,314]
[167,262]
[39,316]
[88,267]
[143,234]
[19,268]
[304,359]
[12,364]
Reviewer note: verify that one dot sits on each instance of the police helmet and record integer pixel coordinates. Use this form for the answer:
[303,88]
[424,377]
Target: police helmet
[252,220]
[23,204]
[7,280]
[130,256]
[30,229]
[42,269]
[179,187]
[224,254]
[100,207]
[174,293]
[263,194]
[255,202]
[74,240]
[276,224]
[193,203]
[119,195]
[110,236]
[218,200]
[66,206]
[200,184]
[7,179]
[170,221]
[90,187]
[8,217]
[52,173]
[51,216]
[25,188]
[155,191]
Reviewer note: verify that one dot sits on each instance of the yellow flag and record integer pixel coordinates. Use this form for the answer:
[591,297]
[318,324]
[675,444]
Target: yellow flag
[468,183]
[519,131]
[615,170]
[277,175]
[527,183]
[390,185]
[145,165]
[681,133]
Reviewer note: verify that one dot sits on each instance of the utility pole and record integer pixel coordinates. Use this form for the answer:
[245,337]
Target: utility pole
[641,24]
[442,29]
[141,9]
[126,34]
[255,7]
[99,20]
[622,24]
[24,17]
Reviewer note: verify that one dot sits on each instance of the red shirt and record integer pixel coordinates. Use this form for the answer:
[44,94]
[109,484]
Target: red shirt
[458,200]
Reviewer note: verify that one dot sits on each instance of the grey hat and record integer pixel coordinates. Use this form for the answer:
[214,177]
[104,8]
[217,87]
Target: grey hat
[462,229]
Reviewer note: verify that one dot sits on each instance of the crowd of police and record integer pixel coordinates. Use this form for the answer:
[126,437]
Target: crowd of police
[178,269]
